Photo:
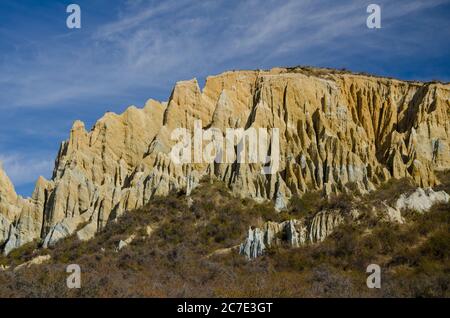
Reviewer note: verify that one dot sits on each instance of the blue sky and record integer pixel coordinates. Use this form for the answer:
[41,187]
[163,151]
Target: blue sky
[129,51]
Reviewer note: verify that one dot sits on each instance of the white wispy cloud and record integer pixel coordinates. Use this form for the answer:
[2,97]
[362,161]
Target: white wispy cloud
[23,169]
[153,43]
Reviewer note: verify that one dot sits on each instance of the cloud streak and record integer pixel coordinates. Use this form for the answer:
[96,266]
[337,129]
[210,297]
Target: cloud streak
[23,169]
[150,44]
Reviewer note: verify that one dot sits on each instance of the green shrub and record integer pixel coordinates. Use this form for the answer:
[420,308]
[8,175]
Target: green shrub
[23,253]
[438,245]
[305,205]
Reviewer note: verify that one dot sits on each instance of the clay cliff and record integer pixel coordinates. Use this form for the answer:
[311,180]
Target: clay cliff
[337,130]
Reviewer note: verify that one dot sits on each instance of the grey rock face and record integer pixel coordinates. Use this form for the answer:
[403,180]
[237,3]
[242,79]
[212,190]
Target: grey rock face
[254,244]
[323,224]
[5,229]
[16,239]
[63,229]
[296,233]
[272,234]
[13,241]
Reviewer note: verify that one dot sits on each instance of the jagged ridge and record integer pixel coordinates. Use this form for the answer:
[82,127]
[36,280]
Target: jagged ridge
[336,129]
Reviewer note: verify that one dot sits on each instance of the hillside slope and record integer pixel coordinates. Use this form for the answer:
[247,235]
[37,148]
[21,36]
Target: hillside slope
[187,248]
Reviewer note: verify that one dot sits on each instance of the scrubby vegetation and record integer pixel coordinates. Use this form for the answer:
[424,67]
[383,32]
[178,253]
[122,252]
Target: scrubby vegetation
[176,261]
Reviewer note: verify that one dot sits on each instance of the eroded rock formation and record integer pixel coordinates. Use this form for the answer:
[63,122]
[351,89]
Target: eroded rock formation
[335,128]
[293,232]
[298,232]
